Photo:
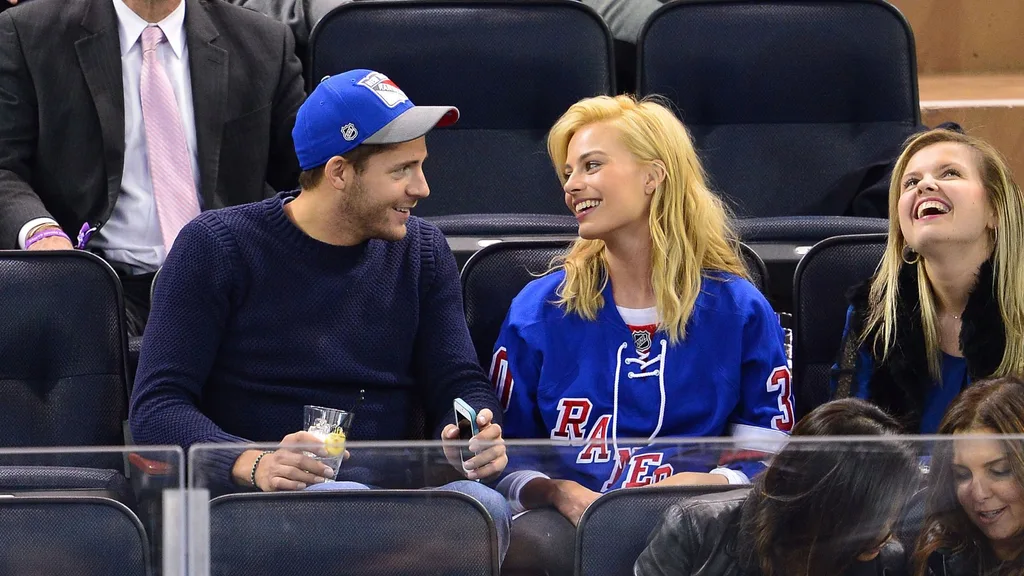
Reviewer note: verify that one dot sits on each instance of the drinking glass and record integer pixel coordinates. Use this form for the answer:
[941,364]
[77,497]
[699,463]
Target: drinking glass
[331,426]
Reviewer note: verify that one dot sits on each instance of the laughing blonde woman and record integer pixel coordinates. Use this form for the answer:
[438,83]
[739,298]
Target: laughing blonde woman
[946,306]
[648,328]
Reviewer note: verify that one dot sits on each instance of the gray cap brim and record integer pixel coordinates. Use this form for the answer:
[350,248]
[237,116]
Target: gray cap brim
[413,123]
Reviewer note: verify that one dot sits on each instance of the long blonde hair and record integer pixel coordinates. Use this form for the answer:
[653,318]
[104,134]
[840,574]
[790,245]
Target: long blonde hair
[1005,195]
[690,230]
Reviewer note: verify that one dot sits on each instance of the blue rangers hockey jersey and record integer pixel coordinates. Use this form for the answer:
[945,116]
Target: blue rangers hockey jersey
[592,383]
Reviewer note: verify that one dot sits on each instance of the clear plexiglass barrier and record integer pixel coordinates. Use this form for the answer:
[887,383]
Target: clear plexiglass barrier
[842,505]
[92,511]
[606,506]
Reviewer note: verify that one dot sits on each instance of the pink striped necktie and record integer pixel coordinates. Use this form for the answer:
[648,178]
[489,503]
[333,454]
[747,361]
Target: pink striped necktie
[174,188]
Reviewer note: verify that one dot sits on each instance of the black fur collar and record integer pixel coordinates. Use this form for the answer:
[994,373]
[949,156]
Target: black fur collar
[900,383]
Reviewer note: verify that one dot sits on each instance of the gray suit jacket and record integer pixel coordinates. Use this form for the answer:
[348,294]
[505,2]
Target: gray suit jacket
[62,131]
[300,15]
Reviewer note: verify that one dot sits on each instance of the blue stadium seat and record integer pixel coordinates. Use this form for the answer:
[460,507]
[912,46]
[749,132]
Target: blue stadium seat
[784,98]
[805,229]
[366,532]
[614,530]
[795,107]
[511,67]
[820,284]
[24,481]
[71,535]
[62,357]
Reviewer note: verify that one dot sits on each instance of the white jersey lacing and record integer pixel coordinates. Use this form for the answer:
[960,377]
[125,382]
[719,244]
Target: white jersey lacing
[644,363]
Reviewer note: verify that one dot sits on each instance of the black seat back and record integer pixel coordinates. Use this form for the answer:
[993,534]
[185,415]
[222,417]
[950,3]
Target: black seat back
[511,67]
[823,278]
[368,532]
[784,97]
[614,530]
[63,351]
[71,535]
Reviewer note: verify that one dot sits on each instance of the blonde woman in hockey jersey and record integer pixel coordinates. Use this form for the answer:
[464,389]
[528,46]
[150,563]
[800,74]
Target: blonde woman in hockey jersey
[648,328]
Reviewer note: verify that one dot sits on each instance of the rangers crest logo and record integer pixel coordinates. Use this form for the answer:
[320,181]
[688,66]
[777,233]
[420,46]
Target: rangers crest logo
[642,340]
[384,88]
[349,132]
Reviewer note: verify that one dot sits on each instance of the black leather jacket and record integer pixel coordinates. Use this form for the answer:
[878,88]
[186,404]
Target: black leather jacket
[701,537]
[945,563]
[964,563]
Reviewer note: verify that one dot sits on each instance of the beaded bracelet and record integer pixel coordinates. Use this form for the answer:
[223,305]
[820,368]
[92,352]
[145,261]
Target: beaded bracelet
[45,233]
[252,475]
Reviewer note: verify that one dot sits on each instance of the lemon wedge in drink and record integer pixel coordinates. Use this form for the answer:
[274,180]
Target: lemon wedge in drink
[335,443]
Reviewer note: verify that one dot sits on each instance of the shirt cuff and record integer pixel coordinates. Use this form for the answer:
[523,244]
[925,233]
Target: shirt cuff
[512,485]
[734,476]
[23,235]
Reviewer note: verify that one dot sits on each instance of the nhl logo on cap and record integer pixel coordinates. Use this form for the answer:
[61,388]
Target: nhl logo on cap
[349,132]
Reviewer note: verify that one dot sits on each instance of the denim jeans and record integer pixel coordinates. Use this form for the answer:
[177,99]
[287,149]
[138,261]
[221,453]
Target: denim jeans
[495,504]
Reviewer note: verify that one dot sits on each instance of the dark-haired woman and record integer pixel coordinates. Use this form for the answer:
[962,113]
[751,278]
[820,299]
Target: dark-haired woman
[975,509]
[818,509]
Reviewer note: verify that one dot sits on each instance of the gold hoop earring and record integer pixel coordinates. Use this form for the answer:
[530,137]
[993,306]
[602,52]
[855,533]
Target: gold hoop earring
[910,256]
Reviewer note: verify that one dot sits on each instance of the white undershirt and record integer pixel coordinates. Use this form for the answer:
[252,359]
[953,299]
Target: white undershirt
[638,316]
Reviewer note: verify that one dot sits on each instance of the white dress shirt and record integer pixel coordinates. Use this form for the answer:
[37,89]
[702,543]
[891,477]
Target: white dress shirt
[132,234]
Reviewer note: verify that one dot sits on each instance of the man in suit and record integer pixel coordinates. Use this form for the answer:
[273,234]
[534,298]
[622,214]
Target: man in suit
[120,120]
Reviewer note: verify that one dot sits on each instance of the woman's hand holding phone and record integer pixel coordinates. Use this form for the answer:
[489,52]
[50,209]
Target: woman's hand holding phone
[488,447]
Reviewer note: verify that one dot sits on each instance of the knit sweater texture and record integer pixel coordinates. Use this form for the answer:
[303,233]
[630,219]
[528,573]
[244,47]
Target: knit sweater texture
[252,319]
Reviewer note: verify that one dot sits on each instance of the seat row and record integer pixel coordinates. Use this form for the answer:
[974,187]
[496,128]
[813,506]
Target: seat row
[65,351]
[358,532]
[792,105]
[493,276]
[64,355]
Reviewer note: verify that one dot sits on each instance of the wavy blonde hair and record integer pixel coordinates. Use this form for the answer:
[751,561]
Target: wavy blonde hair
[690,229]
[1006,199]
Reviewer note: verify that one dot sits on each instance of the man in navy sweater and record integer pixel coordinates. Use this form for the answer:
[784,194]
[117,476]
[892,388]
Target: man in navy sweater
[310,297]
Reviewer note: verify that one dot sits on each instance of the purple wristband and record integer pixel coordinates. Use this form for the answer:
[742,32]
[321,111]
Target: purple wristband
[83,236]
[45,233]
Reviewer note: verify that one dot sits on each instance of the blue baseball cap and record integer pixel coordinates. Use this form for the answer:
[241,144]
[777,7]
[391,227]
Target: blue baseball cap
[360,107]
